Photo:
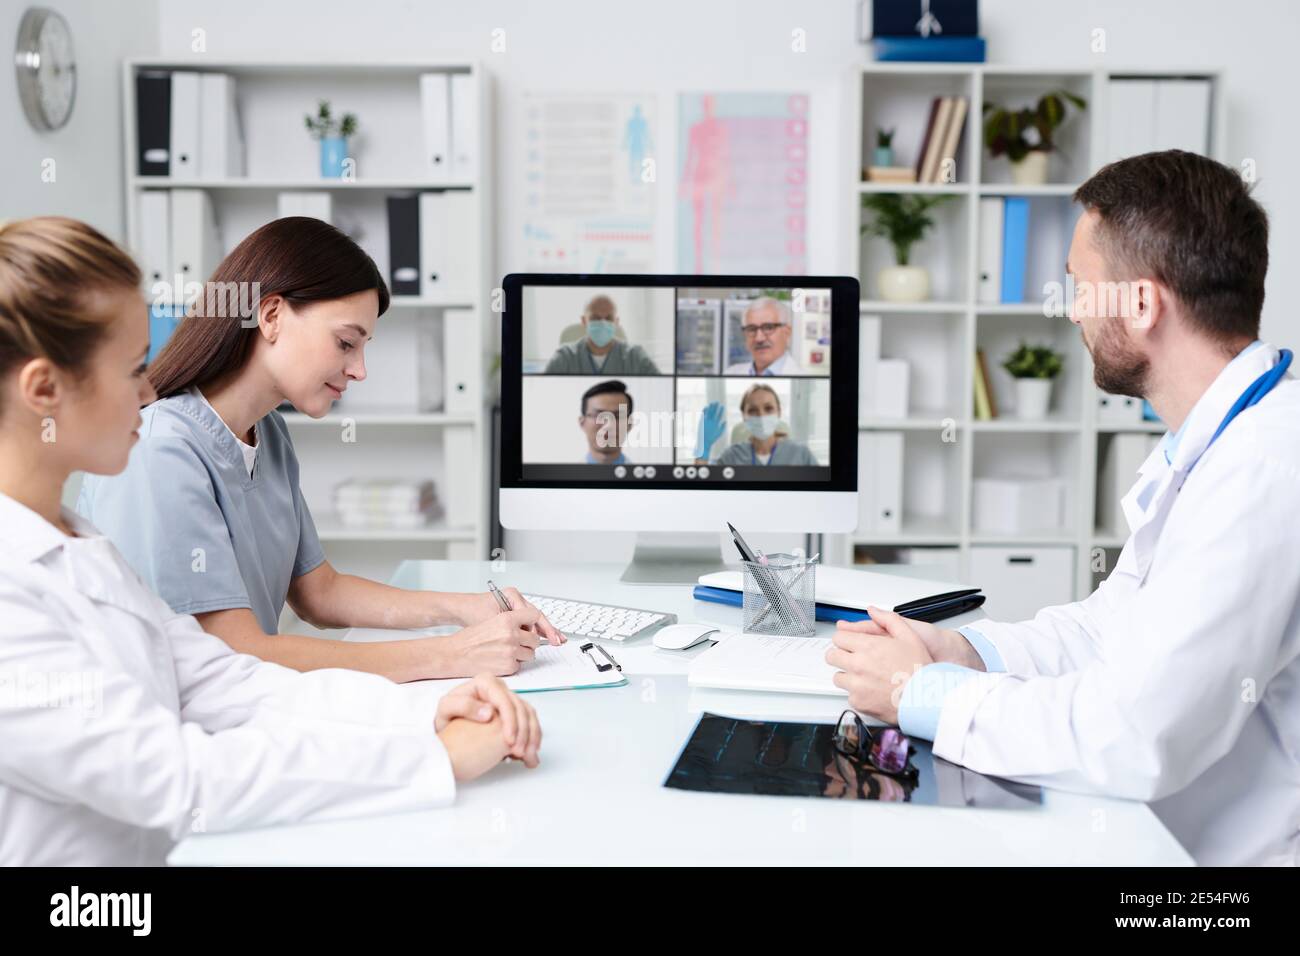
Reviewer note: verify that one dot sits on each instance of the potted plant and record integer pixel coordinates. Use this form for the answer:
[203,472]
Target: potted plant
[333,136]
[903,219]
[1026,135]
[884,152]
[1033,367]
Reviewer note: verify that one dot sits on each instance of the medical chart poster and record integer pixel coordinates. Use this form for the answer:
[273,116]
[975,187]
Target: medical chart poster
[589,183]
[742,183]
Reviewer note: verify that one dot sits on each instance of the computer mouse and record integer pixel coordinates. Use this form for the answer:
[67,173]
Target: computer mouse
[678,637]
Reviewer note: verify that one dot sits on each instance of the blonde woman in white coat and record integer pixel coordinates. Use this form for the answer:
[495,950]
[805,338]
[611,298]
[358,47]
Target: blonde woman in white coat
[125,726]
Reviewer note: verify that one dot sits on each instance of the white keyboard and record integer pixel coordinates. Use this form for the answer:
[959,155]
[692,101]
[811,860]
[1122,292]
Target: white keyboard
[580,619]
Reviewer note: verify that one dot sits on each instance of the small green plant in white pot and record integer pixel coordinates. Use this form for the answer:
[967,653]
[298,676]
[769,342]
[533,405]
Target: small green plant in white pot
[902,219]
[1033,367]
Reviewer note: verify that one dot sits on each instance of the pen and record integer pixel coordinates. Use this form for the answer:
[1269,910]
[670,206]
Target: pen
[501,598]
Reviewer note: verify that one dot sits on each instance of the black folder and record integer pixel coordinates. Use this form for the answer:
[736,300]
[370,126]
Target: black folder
[404,244]
[153,122]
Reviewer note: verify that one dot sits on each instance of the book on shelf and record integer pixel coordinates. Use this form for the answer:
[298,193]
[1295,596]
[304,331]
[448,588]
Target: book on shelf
[942,136]
[891,174]
[985,404]
[925,139]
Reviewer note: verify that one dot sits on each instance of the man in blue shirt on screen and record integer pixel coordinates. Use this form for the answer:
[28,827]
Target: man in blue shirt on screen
[606,413]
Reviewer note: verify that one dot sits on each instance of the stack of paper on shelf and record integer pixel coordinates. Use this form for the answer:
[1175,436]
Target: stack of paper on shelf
[386,503]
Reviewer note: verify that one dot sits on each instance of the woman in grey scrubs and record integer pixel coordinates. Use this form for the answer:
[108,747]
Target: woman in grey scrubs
[209,511]
[761,408]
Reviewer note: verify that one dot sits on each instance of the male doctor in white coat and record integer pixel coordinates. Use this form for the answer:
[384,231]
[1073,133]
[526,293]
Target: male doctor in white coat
[1178,680]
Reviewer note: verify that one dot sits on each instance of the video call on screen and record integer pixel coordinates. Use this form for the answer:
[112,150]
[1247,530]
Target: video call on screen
[696,384]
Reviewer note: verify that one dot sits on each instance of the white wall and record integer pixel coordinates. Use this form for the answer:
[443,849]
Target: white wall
[88,152]
[685,45]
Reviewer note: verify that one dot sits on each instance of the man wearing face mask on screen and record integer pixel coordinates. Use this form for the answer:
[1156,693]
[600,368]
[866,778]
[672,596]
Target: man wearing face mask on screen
[600,352]
[767,445]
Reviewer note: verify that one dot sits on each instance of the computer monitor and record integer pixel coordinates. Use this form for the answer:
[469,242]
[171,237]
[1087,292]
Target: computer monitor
[676,403]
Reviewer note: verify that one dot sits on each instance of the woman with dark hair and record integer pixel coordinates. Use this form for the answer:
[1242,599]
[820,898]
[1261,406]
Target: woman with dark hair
[142,725]
[209,511]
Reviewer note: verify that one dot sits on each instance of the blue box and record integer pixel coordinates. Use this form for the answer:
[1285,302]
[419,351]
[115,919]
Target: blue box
[928,50]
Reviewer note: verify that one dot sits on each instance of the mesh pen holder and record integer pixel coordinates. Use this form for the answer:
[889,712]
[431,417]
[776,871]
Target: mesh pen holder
[780,597]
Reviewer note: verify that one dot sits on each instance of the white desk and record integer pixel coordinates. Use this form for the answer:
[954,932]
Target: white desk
[598,796]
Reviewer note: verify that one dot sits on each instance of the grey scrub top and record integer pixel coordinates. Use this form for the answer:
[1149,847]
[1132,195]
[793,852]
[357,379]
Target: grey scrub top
[202,533]
[785,452]
[623,359]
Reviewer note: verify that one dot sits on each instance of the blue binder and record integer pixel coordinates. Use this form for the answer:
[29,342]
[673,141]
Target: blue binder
[1015,247]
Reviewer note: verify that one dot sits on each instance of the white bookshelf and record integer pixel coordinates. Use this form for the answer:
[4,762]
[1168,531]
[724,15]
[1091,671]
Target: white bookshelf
[390,439]
[939,337]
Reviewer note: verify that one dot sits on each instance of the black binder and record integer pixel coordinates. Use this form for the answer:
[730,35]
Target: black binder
[404,244]
[153,133]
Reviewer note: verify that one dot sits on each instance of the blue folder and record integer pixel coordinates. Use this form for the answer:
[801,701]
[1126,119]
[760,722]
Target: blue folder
[1015,247]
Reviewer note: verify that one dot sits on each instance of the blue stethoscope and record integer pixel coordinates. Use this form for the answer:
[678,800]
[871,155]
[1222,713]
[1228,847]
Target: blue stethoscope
[1255,391]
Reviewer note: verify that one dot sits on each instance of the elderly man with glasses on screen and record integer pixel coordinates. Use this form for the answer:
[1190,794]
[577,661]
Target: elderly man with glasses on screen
[768,325]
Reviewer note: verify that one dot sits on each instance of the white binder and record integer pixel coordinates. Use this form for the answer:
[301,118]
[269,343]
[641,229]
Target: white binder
[317,205]
[868,358]
[196,247]
[464,127]
[1182,115]
[990,250]
[1119,473]
[460,486]
[221,147]
[463,362]
[155,239]
[880,482]
[1130,118]
[185,125]
[449,245]
[435,107]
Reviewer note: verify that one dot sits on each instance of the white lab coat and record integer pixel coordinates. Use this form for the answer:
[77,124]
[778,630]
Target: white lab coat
[1178,680]
[124,726]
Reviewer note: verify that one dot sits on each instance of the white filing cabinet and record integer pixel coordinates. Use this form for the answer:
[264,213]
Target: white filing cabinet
[1021,581]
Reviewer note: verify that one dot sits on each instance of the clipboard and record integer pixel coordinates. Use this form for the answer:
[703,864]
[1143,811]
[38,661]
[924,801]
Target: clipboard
[574,665]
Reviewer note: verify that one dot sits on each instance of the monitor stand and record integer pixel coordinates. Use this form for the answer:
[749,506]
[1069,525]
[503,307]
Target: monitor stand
[663,558]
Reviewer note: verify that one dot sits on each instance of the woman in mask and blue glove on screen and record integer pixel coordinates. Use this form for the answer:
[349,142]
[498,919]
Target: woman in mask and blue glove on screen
[768,444]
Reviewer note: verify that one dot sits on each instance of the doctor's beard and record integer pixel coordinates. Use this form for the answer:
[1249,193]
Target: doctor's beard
[1118,368]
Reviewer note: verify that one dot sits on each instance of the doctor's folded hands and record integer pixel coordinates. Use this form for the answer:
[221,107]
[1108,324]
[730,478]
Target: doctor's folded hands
[124,725]
[1177,681]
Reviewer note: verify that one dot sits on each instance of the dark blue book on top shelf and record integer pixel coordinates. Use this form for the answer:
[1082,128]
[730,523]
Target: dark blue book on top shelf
[932,49]
[903,18]
[1015,247]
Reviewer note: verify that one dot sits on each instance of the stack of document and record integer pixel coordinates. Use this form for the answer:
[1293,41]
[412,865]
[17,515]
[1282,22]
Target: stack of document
[386,503]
